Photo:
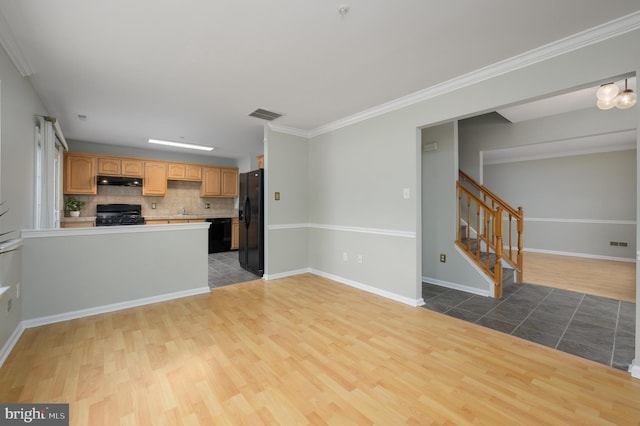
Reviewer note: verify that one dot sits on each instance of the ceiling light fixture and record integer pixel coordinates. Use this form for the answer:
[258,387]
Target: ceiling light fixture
[609,95]
[181,145]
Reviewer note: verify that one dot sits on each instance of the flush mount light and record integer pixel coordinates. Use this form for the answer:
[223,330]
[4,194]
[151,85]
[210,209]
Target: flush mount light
[609,95]
[181,145]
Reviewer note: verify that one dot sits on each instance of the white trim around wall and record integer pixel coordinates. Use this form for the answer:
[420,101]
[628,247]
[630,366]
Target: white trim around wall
[351,283]
[374,231]
[585,255]
[634,369]
[589,221]
[461,287]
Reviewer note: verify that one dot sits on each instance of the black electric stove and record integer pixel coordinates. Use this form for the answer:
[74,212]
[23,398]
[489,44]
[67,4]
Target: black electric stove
[119,214]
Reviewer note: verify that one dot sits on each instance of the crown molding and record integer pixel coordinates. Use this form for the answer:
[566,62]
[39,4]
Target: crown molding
[11,47]
[290,130]
[576,41]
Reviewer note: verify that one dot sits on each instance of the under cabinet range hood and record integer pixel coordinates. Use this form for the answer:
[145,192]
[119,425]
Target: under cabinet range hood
[119,181]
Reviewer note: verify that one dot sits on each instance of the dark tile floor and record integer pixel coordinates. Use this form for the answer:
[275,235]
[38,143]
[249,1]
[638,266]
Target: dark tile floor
[596,328]
[224,269]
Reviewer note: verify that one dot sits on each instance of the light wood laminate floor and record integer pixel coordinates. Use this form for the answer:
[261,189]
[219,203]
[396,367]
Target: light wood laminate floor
[305,350]
[605,278]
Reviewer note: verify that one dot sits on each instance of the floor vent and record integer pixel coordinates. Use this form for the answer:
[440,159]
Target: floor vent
[264,114]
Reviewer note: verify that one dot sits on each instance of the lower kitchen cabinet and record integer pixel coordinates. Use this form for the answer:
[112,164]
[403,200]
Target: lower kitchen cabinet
[235,233]
[77,224]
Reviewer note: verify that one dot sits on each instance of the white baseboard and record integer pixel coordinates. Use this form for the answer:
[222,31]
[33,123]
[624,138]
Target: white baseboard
[634,369]
[585,255]
[286,274]
[370,289]
[11,342]
[50,319]
[461,287]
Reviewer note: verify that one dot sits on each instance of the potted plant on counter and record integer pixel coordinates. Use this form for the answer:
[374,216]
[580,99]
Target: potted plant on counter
[73,205]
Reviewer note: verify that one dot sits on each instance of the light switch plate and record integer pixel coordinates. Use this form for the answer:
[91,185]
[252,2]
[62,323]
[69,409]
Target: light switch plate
[406,194]
[277,196]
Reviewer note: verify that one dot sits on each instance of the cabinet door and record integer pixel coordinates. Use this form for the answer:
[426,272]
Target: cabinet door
[109,166]
[235,234]
[194,172]
[211,180]
[155,178]
[156,221]
[229,182]
[131,168]
[177,171]
[80,174]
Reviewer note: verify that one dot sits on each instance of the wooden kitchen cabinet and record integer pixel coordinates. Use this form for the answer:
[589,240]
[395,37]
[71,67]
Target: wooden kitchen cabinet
[260,161]
[155,178]
[211,180]
[114,166]
[229,182]
[184,171]
[77,224]
[132,168]
[109,166]
[219,182]
[80,173]
[156,221]
[235,233]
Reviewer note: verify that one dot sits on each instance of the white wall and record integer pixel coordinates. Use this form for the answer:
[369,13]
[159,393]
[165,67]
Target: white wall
[19,107]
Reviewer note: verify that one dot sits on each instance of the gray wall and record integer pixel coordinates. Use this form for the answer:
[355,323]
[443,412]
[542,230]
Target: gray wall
[287,172]
[19,107]
[84,268]
[591,196]
[576,204]
[438,224]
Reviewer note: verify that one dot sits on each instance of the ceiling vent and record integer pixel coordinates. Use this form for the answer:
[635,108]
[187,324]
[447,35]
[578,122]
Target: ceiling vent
[264,114]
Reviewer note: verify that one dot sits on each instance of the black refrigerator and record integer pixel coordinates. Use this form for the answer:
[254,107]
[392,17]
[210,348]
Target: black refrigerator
[251,221]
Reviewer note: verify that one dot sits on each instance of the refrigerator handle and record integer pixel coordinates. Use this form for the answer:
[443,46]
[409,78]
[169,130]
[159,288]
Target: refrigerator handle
[247,211]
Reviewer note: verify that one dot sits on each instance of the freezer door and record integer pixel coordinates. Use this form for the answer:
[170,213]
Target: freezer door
[242,238]
[254,222]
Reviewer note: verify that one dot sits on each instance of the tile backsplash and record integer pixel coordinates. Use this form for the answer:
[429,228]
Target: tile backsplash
[179,195]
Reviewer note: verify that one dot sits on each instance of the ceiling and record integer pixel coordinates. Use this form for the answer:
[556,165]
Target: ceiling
[193,70]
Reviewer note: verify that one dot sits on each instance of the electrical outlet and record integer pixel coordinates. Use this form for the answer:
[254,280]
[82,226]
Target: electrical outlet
[406,193]
[443,257]
[153,205]
[345,256]
[207,205]
[360,258]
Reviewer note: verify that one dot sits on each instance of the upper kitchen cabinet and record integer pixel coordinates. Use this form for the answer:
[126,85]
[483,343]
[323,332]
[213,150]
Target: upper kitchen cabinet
[155,178]
[114,166]
[219,182]
[185,171]
[229,186]
[80,173]
[211,180]
[260,161]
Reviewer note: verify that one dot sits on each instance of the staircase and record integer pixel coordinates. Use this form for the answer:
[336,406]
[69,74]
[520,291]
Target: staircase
[489,232]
